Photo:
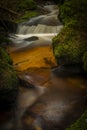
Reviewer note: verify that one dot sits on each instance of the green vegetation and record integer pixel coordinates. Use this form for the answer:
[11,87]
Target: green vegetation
[85,61]
[70,45]
[27,10]
[8,82]
[13,11]
[27,4]
[3,39]
[4,56]
[27,15]
[80,124]
[17,10]
[8,79]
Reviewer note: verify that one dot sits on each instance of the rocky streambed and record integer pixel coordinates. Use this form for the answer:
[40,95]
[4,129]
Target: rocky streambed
[46,101]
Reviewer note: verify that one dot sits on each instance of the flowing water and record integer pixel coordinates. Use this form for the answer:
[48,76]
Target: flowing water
[54,102]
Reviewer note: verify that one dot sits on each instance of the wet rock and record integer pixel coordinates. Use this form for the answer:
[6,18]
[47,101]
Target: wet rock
[68,70]
[24,82]
[33,38]
[50,18]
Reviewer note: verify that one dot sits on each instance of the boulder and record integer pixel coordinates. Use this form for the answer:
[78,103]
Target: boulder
[33,38]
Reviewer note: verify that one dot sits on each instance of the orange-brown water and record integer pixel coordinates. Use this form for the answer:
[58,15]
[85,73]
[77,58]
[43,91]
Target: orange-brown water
[39,57]
[54,103]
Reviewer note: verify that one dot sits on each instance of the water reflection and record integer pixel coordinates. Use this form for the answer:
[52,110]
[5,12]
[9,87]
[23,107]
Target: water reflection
[53,105]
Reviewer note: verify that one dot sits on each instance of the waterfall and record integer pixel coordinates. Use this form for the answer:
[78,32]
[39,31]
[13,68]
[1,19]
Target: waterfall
[40,28]
[43,27]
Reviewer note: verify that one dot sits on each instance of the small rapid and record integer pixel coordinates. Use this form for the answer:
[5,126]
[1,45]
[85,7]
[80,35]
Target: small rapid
[54,102]
[44,27]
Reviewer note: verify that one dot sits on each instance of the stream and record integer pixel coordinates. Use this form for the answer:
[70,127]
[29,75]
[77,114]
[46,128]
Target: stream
[54,102]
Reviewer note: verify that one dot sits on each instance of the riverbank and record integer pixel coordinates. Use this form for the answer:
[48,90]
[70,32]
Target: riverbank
[70,46]
[45,100]
[66,84]
[10,11]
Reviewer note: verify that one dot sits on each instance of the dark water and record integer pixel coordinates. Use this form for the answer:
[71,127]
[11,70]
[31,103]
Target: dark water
[54,103]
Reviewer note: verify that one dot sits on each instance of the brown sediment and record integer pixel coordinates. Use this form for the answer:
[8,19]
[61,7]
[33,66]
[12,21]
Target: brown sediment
[37,57]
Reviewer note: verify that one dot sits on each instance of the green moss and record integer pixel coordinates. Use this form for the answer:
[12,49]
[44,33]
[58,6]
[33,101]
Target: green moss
[8,79]
[80,124]
[74,12]
[3,39]
[85,61]
[71,44]
[19,7]
[5,57]
[27,4]
[8,82]
[27,15]
[8,86]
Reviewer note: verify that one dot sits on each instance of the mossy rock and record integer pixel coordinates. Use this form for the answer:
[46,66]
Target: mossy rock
[85,61]
[4,56]
[26,16]
[27,4]
[80,124]
[70,45]
[8,85]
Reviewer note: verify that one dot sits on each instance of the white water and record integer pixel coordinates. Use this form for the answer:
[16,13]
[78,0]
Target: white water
[43,27]
[37,27]
[64,99]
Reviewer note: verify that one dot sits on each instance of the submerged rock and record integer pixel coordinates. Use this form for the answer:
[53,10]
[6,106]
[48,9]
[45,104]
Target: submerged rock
[33,38]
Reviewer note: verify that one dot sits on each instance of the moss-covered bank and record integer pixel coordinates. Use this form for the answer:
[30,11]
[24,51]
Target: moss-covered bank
[13,12]
[17,11]
[8,82]
[80,124]
[70,46]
